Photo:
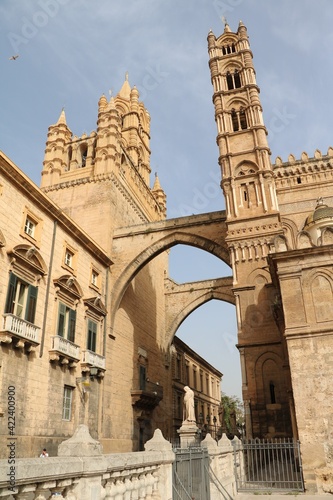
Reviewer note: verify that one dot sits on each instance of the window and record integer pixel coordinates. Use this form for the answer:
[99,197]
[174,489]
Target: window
[69,258]
[194,377]
[29,227]
[142,375]
[179,405]
[21,299]
[272,392]
[67,403]
[178,366]
[94,278]
[66,322]
[92,335]
[233,80]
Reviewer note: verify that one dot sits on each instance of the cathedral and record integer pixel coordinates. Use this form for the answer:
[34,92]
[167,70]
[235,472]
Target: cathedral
[89,311]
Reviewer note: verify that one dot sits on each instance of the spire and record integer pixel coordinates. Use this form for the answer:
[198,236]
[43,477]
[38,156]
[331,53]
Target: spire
[159,195]
[125,90]
[62,118]
[157,185]
[226,25]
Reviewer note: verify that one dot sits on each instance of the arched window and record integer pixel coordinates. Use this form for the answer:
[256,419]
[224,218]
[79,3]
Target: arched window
[84,154]
[237,79]
[242,119]
[233,80]
[272,392]
[234,119]
[230,82]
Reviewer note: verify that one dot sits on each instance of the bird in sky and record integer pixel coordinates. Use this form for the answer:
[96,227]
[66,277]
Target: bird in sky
[12,58]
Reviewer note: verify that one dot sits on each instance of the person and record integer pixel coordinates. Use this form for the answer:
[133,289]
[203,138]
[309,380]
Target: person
[189,414]
[44,453]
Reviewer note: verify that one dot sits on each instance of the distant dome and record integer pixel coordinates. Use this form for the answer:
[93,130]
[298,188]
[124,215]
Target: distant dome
[322,211]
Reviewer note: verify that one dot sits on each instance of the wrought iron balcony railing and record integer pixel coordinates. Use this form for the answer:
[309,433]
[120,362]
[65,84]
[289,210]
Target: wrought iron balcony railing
[147,394]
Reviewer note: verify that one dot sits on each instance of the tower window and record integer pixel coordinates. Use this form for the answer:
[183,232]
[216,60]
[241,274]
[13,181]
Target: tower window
[233,80]
[242,119]
[84,154]
[234,119]
[237,80]
[230,82]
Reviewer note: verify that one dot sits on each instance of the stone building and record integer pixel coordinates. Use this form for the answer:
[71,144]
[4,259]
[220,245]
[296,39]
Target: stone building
[86,321]
[188,368]
[90,313]
[279,220]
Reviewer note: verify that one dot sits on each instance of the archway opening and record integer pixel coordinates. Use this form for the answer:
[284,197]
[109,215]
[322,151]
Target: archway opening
[210,330]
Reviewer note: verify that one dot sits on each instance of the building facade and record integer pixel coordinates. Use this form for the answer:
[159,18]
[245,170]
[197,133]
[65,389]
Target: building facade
[77,346]
[188,368]
[90,314]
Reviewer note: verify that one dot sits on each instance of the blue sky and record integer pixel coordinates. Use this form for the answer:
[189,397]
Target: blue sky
[73,51]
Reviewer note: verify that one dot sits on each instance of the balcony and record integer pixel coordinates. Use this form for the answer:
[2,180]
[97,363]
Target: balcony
[64,351]
[90,360]
[147,396]
[19,332]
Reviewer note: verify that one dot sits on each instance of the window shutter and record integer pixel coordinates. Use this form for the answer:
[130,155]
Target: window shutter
[11,293]
[31,303]
[92,335]
[71,325]
[61,319]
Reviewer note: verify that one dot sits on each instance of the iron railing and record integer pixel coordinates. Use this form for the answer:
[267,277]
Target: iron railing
[270,465]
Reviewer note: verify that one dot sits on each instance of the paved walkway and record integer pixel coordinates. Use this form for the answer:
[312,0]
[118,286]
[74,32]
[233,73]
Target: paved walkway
[286,496]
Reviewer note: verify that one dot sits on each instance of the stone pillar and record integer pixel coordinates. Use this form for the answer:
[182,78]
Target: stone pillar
[188,434]
[81,444]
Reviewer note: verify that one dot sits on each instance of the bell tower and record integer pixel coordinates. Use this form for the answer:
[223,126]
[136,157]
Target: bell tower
[253,223]
[244,155]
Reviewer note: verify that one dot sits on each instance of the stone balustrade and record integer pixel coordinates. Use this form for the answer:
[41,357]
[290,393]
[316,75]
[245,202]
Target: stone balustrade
[21,328]
[82,472]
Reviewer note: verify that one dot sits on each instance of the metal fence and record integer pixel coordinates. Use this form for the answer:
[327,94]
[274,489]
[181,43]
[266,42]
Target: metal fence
[268,465]
[191,474]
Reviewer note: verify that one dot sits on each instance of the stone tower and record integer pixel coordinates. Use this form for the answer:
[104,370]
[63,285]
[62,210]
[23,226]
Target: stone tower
[253,222]
[102,181]
[97,177]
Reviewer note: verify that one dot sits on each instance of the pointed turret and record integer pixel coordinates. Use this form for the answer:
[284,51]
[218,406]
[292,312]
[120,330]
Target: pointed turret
[62,118]
[125,90]
[55,152]
[159,195]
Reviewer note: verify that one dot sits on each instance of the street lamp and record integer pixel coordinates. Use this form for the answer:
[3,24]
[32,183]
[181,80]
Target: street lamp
[215,420]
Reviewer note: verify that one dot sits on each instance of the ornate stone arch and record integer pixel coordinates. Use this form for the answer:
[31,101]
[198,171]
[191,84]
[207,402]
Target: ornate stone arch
[246,168]
[304,240]
[290,231]
[318,285]
[159,246]
[210,294]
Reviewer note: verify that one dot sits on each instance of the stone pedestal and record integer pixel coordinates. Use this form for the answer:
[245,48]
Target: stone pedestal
[188,434]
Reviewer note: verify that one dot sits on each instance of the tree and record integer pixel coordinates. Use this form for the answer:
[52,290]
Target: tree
[231,414]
